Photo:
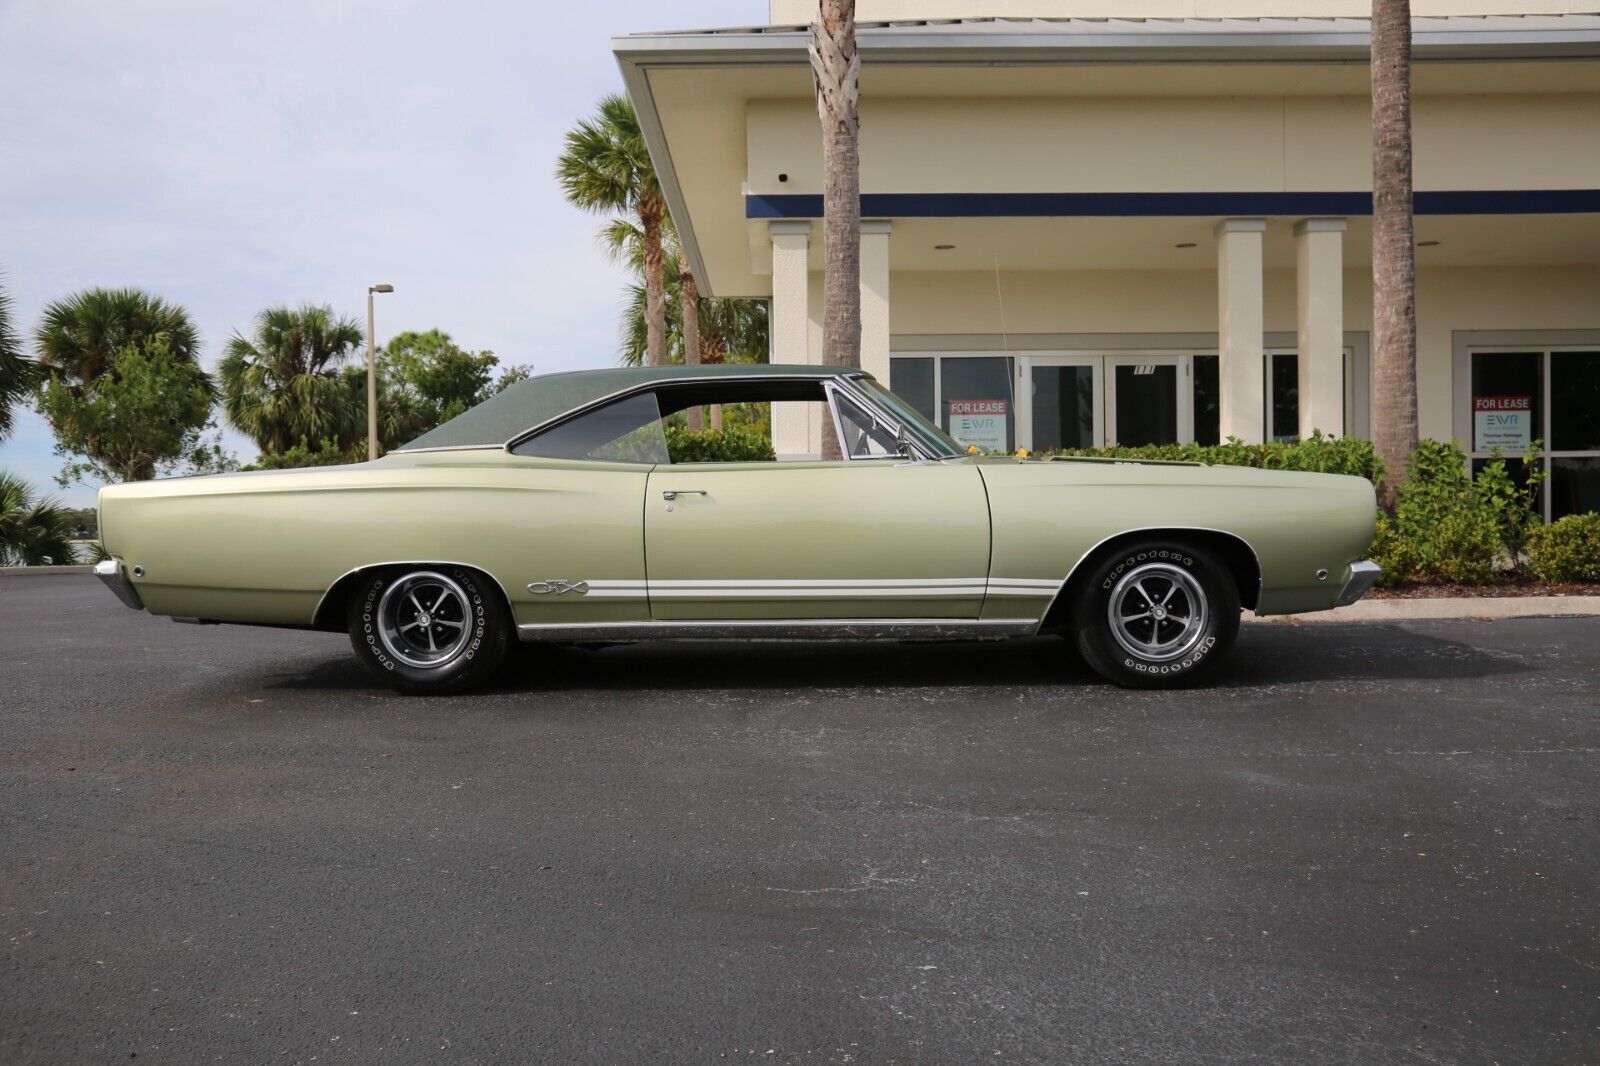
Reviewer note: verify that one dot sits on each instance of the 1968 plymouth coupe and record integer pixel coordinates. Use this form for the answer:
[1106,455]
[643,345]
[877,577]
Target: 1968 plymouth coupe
[555,512]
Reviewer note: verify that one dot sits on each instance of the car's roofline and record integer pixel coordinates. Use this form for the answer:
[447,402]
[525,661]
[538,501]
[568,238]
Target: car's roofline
[579,390]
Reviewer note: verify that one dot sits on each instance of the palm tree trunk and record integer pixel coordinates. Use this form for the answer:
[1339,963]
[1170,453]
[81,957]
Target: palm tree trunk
[836,69]
[1394,266]
[651,212]
[689,297]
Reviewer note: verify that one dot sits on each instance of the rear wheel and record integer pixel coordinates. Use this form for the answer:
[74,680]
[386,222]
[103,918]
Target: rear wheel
[1156,614]
[433,630]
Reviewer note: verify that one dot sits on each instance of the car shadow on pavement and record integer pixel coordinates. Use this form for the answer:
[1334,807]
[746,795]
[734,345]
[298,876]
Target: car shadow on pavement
[1265,655]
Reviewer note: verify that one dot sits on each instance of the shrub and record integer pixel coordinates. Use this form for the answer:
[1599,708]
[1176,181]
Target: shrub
[1567,549]
[326,453]
[1448,526]
[1327,455]
[717,446]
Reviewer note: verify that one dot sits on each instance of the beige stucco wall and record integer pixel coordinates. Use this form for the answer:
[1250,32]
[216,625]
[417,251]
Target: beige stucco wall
[786,12]
[1161,144]
[1185,301]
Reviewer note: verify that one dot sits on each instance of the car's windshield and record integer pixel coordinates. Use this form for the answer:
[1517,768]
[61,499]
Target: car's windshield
[937,440]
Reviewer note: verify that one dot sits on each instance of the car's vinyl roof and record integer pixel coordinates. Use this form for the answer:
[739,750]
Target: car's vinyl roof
[548,396]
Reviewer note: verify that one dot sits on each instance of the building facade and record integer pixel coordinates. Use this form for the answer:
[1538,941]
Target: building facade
[1086,228]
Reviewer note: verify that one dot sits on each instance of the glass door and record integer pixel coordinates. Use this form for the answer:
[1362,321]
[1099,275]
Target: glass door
[1149,400]
[1060,405]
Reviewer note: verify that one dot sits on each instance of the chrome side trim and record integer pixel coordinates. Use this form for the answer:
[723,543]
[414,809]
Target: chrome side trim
[110,571]
[1260,574]
[784,629]
[405,562]
[1363,575]
[444,448]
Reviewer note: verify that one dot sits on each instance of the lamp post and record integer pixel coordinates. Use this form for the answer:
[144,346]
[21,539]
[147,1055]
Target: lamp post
[372,377]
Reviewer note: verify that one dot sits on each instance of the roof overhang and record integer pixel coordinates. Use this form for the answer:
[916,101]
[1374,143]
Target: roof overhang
[989,43]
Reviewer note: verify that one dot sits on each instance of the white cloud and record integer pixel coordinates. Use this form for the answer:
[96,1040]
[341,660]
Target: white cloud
[229,156]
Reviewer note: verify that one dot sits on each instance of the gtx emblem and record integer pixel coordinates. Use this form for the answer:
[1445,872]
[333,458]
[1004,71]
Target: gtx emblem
[557,587]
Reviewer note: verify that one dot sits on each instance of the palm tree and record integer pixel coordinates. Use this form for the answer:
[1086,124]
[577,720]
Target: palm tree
[1394,266]
[17,374]
[34,531]
[78,335]
[689,324]
[836,72]
[724,329]
[605,167]
[283,386]
[836,68]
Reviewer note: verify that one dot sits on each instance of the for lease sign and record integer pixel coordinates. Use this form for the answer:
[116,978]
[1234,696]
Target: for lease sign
[980,422]
[1504,422]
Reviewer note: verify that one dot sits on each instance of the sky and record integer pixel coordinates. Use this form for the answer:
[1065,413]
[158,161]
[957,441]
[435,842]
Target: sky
[229,156]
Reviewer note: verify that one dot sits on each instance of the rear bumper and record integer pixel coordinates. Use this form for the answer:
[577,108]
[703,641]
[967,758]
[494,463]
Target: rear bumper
[1363,575]
[110,571]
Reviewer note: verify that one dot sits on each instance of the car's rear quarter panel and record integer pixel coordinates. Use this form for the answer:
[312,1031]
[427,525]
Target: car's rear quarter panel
[265,547]
[1047,516]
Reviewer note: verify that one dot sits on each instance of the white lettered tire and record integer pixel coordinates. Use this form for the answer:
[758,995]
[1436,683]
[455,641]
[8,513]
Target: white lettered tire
[430,630]
[1155,614]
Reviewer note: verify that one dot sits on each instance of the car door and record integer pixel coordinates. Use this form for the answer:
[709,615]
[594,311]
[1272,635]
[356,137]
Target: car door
[856,538]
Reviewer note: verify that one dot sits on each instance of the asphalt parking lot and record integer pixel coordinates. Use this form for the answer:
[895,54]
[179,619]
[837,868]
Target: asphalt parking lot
[1368,843]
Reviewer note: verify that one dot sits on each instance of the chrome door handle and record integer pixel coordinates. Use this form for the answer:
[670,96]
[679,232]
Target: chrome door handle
[673,494]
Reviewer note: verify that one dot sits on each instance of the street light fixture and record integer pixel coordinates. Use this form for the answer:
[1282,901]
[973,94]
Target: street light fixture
[372,377]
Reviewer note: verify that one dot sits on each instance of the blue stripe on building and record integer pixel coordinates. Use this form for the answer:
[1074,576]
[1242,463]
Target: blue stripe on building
[1149,204]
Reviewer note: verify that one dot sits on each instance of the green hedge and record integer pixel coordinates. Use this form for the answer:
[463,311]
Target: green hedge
[1326,455]
[717,446]
[1567,549]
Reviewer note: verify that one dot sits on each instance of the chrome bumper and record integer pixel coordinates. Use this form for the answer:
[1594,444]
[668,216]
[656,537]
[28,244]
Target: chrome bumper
[110,571]
[1363,576]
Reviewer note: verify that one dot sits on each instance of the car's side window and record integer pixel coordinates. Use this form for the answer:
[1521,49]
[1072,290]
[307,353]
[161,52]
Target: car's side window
[864,436]
[627,431]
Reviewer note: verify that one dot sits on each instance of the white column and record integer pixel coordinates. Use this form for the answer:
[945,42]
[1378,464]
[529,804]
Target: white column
[789,327]
[1240,328]
[1319,288]
[875,299]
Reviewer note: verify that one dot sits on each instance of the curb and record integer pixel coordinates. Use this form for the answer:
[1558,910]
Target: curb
[1442,608]
[45,571]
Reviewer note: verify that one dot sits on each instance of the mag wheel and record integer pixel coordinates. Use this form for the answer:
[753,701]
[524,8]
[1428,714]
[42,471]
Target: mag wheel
[1156,614]
[429,630]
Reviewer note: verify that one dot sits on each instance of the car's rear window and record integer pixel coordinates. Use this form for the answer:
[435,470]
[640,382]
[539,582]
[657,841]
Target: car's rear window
[507,414]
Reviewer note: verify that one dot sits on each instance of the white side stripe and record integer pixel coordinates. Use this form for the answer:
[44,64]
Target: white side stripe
[824,588]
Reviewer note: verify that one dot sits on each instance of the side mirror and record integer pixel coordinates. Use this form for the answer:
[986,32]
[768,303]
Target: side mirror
[903,447]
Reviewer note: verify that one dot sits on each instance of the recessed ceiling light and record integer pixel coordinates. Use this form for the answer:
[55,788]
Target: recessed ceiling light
[1185,244]
[943,247]
[1427,244]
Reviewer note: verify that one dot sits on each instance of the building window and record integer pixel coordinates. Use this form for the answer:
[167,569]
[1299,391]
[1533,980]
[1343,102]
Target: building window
[1519,397]
[1207,400]
[970,397]
[1064,399]
[911,379]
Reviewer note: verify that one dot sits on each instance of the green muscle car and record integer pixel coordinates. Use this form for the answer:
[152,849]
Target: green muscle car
[554,512]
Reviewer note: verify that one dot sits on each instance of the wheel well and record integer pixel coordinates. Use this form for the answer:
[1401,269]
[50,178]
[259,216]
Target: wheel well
[1232,551]
[330,614]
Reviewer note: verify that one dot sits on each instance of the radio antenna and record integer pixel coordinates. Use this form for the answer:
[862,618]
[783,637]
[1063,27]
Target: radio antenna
[1000,296]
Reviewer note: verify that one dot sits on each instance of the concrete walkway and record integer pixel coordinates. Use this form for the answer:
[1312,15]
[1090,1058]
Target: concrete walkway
[1479,608]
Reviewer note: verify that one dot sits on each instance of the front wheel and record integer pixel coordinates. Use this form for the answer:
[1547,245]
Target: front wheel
[1157,614]
[429,630]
